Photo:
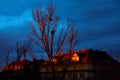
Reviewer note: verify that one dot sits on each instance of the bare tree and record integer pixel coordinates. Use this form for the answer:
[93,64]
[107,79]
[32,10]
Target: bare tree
[32,54]
[7,55]
[22,49]
[45,34]
[47,25]
[72,41]
[18,50]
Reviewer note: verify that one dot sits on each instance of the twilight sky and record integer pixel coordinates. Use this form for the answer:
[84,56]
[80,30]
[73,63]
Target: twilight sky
[98,21]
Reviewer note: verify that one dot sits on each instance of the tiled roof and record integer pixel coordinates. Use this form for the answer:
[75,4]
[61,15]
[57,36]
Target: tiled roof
[85,56]
[17,65]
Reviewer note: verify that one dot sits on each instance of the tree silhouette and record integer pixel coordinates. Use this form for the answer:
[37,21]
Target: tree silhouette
[18,50]
[22,49]
[7,55]
[72,35]
[48,36]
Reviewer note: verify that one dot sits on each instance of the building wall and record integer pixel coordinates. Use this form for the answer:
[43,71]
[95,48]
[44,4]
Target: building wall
[80,71]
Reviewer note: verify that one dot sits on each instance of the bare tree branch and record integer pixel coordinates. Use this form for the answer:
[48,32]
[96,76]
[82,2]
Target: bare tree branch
[47,24]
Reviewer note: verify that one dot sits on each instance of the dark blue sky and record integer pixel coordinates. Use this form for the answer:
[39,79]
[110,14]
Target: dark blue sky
[98,21]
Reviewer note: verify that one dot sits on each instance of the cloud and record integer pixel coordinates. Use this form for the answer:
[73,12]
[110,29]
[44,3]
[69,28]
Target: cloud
[15,7]
[98,21]
[10,35]
[6,21]
[95,18]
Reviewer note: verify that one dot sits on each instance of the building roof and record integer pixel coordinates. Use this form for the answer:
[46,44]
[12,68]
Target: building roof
[83,56]
[86,56]
[97,56]
[17,65]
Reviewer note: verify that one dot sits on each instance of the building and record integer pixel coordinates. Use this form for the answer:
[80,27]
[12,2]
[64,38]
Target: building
[81,65]
[84,64]
[17,65]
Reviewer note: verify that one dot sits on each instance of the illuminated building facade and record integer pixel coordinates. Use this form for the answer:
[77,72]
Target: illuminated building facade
[82,65]
[76,65]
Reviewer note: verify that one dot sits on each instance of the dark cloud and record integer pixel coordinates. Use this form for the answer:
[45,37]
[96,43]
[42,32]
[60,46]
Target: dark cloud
[95,19]
[9,36]
[16,7]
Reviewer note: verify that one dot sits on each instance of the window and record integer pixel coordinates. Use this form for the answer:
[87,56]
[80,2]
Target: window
[82,75]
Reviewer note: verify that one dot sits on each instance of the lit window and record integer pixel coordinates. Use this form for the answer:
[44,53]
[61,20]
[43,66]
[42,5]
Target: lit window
[75,57]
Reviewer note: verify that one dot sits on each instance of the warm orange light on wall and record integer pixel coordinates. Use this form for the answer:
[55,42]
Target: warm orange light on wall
[75,57]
